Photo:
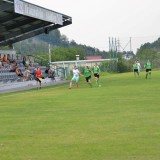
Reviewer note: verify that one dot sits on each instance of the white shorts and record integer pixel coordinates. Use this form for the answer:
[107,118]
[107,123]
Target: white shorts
[76,79]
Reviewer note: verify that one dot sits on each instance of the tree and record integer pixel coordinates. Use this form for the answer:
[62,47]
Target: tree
[147,54]
[66,54]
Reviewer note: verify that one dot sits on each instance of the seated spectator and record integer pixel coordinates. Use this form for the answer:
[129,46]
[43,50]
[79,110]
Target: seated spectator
[4,59]
[27,74]
[24,61]
[1,64]
[50,73]
[13,67]
[34,73]
[19,72]
[10,60]
[46,71]
[0,58]
[30,62]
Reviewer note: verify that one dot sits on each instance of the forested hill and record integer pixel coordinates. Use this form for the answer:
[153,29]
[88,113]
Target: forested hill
[40,43]
[155,45]
[149,51]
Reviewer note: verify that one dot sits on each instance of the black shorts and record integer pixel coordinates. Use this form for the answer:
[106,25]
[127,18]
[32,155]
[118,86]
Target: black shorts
[147,70]
[135,70]
[88,78]
[96,75]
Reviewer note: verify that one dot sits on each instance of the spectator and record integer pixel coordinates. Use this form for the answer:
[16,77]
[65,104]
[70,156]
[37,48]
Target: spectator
[1,64]
[10,60]
[24,61]
[50,73]
[34,73]
[30,62]
[0,58]
[13,67]
[27,74]
[5,59]
[27,62]
[19,72]
[46,71]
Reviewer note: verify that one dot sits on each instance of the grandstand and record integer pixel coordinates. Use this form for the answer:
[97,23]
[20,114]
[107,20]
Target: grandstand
[20,20]
[9,81]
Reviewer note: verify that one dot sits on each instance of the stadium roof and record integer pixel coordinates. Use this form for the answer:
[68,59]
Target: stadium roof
[21,20]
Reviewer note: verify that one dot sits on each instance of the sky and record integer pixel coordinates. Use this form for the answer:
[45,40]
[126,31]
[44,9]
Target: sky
[94,21]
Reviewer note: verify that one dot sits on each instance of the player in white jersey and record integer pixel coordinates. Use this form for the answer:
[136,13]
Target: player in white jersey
[139,66]
[75,77]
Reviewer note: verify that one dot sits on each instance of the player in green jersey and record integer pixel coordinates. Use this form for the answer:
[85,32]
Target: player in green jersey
[96,71]
[148,69]
[87,73]
[135,68]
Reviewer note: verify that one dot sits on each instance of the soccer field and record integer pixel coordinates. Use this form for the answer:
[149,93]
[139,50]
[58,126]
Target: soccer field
[118,121]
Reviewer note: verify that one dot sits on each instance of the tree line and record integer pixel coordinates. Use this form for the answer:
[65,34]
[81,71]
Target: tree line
[63,49]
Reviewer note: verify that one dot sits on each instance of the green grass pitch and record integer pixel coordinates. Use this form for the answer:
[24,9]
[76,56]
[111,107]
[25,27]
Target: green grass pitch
[118,121]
